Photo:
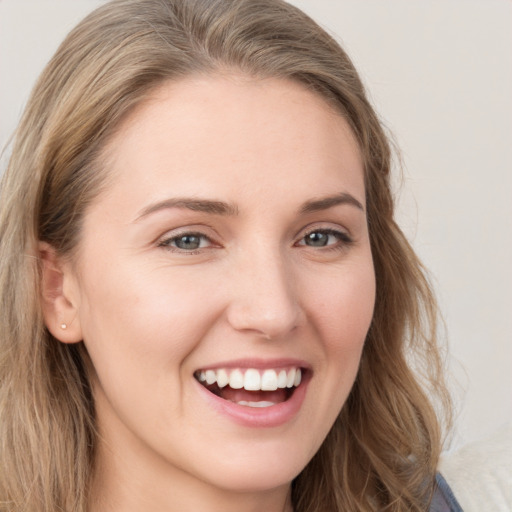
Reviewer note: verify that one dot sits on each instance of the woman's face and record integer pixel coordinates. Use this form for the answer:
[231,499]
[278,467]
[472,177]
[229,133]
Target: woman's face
[231,245]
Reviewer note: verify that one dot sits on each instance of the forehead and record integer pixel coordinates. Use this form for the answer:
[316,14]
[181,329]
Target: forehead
[194,133]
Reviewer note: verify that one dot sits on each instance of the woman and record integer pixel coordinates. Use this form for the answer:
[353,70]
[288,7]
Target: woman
[206,302]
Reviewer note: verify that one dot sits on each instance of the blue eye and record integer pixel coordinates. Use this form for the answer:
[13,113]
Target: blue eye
[317,239]
[325,238]
[186,242]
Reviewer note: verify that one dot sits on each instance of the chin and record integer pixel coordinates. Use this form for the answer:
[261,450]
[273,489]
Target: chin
[258,469]
[256,480]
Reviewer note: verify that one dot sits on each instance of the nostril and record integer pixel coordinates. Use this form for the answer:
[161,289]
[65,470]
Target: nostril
[264,324]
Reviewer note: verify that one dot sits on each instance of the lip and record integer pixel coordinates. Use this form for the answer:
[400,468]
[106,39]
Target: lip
[258,364]
[253,417]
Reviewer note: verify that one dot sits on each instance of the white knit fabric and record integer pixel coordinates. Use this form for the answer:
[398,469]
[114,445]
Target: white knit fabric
[480,474]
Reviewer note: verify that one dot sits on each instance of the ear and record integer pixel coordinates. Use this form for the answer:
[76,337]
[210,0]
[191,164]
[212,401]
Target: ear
[59,296]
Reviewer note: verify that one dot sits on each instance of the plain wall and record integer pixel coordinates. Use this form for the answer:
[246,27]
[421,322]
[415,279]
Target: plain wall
[440,74]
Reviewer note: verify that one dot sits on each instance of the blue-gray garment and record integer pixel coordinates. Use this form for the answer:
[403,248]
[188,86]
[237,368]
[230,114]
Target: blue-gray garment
[444,500]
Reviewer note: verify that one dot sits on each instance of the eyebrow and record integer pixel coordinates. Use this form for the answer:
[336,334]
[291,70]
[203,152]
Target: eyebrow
[222,208]
[324,203]
[197,205]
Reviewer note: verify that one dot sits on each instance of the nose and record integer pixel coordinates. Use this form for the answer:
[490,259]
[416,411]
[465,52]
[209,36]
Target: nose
[264,298]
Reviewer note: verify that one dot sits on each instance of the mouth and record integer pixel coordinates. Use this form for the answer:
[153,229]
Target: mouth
[252,387]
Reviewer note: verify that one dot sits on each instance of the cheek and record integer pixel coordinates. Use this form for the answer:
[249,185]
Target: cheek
[139,329]
[340,310]
[146,312]
[343,304]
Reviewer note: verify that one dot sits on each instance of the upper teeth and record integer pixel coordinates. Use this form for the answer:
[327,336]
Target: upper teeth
[251,379]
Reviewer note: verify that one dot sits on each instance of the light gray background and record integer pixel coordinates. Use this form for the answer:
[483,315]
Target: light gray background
[440,74]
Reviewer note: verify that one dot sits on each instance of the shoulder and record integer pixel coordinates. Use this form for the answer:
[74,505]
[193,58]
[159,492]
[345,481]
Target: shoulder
[479,475]
[444,500]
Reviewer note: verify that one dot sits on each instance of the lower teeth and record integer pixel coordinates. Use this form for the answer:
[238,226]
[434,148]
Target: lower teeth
[256,404]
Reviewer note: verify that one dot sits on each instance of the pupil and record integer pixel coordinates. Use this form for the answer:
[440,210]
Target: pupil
[317,239]
[188,242]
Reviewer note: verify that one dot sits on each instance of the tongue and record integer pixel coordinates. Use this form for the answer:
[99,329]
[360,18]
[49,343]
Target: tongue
[238,395]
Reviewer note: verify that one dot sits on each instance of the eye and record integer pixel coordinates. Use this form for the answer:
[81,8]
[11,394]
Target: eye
[325,238]
[186,242]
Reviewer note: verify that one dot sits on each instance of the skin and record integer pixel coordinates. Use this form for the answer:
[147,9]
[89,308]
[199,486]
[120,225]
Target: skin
[151,313]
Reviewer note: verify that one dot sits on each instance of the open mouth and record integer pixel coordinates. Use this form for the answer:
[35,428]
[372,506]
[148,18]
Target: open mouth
[252,387]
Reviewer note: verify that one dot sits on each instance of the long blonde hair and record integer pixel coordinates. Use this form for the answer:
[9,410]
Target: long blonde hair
[382,451]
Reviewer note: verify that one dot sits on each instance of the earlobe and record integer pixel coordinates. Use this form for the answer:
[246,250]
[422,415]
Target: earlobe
[58,300]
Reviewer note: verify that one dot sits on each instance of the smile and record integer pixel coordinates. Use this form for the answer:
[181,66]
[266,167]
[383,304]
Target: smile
[251,387]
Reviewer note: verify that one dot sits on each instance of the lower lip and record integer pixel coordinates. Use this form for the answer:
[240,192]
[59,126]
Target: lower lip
[258,417]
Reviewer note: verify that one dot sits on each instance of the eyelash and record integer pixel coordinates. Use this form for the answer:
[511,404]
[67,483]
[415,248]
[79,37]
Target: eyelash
[167,242]
[343,241]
